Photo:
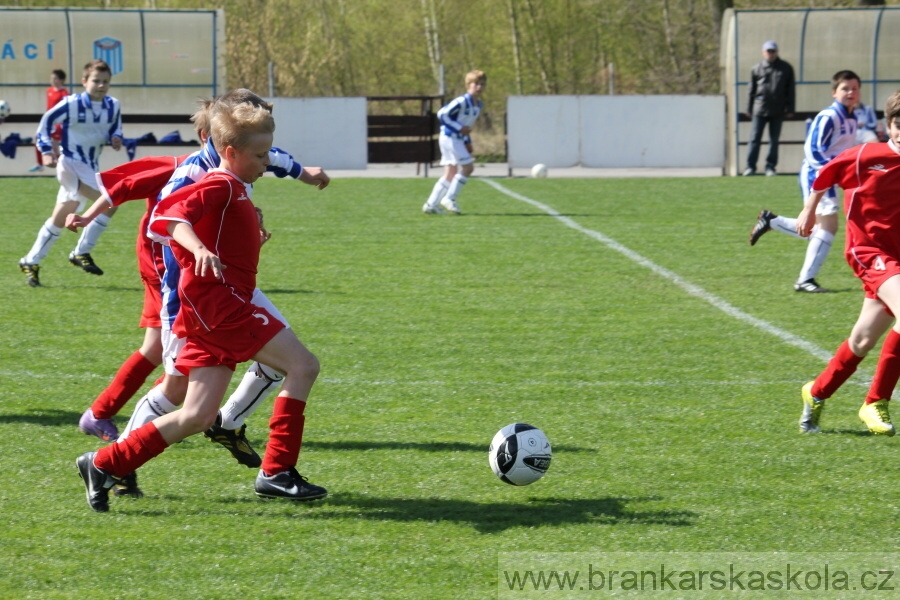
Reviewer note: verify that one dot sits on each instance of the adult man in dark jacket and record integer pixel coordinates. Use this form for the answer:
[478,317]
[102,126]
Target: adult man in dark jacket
[770,100]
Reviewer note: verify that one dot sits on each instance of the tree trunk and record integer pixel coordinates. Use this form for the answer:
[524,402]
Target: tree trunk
[517,59]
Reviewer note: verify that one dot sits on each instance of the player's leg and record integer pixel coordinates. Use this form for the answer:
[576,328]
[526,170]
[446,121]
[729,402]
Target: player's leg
[872,323]
[278,476]
[466,166]
[448,161]
[820,243]
[81,254]
[101,469]
[97,420]
[257,384]
[874,412]
[30,264]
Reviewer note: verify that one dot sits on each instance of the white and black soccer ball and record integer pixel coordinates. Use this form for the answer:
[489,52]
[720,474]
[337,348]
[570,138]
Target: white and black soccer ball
[520,454]
[5,109]
[539,170]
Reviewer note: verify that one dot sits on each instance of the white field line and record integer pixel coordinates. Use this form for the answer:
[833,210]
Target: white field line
[694,290]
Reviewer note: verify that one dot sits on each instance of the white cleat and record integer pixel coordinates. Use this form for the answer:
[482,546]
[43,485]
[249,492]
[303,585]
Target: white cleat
[451,206]
[428,209]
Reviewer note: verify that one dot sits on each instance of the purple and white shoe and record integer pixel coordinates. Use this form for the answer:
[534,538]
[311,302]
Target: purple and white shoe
[104,429]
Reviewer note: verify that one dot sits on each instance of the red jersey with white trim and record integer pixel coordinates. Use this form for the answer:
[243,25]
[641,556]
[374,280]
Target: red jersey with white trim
[136,180]
[870,177]
[219,209]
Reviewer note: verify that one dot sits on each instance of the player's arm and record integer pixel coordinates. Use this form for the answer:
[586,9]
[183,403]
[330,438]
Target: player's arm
[135,180]
[204,259]
[58,114]
[282,164]
[115,130]
[448,116]
[74,220]
[806,220]
[315,176]
[840,171]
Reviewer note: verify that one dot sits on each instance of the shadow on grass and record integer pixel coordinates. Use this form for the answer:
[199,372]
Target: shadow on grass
[45,417]
[570,215]
[274,291]
[498,516]
[491,517]
[856,432]
[423,446]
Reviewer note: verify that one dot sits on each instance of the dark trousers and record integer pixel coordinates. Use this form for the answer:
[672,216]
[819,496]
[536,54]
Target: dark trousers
[756,131]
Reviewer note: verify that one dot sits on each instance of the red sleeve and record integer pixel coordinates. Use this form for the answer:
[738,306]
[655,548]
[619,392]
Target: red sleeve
[841,171]
[138,179]
[189,205]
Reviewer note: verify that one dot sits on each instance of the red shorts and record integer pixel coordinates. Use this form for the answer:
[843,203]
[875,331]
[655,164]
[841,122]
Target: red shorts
[873,267]
[152,304]
[234,341]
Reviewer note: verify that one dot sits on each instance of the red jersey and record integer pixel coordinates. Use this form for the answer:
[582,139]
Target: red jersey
[55,95]
[219,209]
[870,177]
[135,180]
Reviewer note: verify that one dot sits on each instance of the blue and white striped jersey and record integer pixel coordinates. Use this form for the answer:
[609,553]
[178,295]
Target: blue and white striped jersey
[865,117]
[832,131]
[86,127]
[461,112]
[195,167]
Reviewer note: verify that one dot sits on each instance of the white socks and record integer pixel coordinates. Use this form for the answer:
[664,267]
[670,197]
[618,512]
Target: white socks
[151,406]
[785,225]
[91,234]
[456,186]
[258,382]
[46,237]
[816,253]
[437,192]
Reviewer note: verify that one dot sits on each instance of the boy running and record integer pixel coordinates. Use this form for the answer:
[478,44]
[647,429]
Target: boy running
[870,176]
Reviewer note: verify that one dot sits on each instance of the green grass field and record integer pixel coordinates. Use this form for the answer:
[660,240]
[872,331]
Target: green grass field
[673,422]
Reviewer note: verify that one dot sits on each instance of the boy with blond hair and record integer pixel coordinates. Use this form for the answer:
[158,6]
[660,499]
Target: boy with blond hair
[457,119]
[210,225]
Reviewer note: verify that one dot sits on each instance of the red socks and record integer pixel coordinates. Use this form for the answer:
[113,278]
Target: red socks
[285,435]
[137,449]
[842,365]
[128,380]
[887,373]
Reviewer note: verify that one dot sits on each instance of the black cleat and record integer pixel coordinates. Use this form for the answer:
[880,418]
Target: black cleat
[289,485]
[763,221]
[32,272]
[236,443]
[810,286]
[127,486]
[85,262]
[96,482]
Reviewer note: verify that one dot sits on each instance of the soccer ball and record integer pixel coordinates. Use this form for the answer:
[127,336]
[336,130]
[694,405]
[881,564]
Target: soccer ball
[520,454]
[4,109]
[539,170]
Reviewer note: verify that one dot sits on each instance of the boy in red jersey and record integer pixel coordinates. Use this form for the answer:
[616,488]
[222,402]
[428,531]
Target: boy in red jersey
[214,230]
[56,92]
[870,177]
[139,179]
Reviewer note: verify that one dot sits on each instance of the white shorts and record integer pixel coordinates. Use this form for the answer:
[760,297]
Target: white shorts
[173,344]
[453,151]
[828,205]
[866,136]
[70,174]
